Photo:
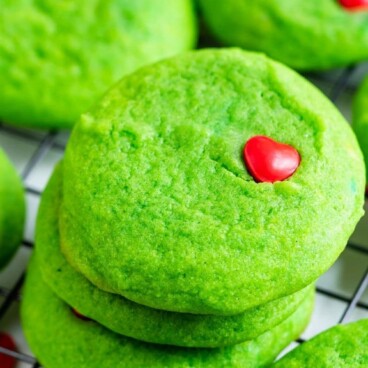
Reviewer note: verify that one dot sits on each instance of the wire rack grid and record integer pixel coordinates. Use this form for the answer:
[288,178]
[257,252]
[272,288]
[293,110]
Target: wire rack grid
[342,293]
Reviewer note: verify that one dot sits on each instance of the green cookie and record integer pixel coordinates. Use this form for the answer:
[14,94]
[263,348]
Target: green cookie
[306,35]
[157,203]
[57,58]
[339,347]
[137,321]
[12,210]
[60,340]
[360,119]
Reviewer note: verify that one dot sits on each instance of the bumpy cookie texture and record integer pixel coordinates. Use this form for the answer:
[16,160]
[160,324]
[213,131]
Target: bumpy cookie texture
[302,34]
[158,206]
[340,347]
[60,340]
[12,210]
[56,59]
[360,119]
[137,321]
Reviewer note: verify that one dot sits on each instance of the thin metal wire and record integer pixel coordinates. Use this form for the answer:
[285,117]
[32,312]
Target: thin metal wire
[341,83]
[12,295]
[44,146]
[356,297]
[20,133]
[4,292]
[27,244]
[358,248]
[339,297]
[33,191]
[18,356]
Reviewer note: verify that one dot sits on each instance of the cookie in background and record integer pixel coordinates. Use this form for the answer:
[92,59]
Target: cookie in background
[57,58]
[306,35]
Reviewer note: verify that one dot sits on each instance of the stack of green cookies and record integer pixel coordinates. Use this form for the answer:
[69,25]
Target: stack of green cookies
[160,244]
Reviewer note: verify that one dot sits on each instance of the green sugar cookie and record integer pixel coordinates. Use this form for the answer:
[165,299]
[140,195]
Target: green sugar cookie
[60,340]
[306,35]
[137,321]
[360,119]
[57,58]
[12,210]
[158,205]
[344,346]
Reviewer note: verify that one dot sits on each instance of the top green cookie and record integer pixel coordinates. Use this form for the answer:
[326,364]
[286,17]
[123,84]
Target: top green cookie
[339,347]
[158,205]
[57,58]
[306,35]
[360,118]
[12,210]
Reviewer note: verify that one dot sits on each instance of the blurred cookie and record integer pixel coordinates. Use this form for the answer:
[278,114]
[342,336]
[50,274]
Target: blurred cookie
[58,58]
[306,35]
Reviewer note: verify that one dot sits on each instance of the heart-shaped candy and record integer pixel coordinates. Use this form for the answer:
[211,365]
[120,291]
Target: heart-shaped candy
[6,341]
[355,5]
[269,161]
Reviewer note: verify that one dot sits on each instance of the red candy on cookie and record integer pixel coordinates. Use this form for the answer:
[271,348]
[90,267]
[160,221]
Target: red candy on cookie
[355,4]
[7,342]
[269,161]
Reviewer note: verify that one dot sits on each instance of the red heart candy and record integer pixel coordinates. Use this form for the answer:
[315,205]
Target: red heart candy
[355,4]
[80,315]
[7,342]
[269,161]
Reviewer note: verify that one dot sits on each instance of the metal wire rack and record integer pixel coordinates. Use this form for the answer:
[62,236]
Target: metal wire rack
[342,293]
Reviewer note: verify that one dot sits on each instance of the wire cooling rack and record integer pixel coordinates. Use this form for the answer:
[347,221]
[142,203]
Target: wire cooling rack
[342,294]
